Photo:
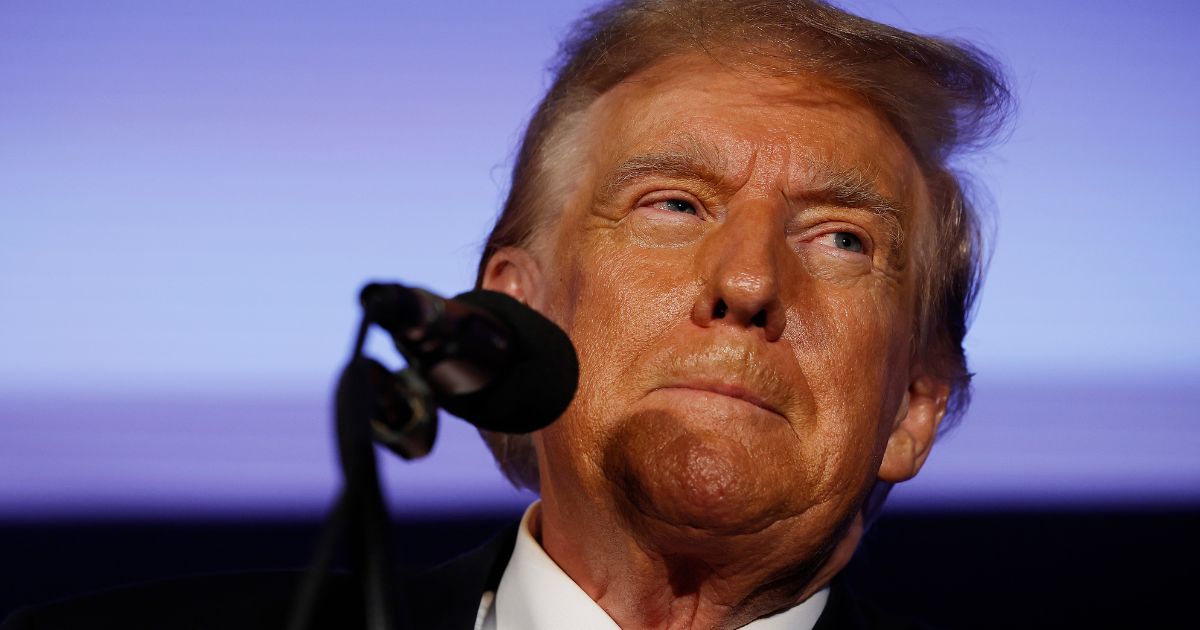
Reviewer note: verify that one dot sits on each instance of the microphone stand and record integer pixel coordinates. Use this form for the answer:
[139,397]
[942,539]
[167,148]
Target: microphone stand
[370,404]
[463,345]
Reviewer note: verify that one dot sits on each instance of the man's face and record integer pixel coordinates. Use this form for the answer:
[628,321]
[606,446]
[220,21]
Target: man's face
[733,268]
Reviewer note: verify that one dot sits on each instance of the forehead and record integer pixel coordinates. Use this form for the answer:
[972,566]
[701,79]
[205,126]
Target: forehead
[792,128]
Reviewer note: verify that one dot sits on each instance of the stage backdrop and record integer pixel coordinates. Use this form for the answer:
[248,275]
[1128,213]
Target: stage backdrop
[192,193]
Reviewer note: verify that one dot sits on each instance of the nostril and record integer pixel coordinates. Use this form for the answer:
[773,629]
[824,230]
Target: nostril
[760,319]
[720,309]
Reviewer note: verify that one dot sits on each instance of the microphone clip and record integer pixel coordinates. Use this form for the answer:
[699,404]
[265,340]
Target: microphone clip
[401,409]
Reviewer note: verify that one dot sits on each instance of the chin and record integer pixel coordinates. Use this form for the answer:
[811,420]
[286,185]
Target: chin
[695,480]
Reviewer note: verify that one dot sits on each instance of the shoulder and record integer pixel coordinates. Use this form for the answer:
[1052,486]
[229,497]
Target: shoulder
[446,596]
[845,610]
[233,601]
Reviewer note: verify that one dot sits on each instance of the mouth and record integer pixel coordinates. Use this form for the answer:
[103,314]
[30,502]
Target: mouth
[727,373]
[728,390]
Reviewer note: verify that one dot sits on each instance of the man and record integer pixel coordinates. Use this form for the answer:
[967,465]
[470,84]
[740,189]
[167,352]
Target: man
[743,214]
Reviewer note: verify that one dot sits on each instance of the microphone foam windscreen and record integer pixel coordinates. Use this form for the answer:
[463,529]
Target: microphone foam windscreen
[542,377]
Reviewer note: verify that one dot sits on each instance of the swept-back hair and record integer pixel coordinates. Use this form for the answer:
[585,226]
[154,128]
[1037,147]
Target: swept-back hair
[943,97]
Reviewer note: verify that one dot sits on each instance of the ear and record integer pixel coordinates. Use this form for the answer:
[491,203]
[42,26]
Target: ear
[914,429]
[514,271]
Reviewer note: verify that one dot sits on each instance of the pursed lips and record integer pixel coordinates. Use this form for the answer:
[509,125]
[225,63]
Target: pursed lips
[725,364]
[726,389]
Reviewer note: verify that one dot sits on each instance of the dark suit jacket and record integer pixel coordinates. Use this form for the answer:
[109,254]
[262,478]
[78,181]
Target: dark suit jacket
[445,597]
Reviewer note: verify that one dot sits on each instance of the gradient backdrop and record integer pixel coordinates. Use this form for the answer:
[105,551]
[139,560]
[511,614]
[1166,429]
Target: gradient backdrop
[192,193]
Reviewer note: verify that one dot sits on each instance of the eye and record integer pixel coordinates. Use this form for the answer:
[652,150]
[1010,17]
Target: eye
[677,205]
[848,241]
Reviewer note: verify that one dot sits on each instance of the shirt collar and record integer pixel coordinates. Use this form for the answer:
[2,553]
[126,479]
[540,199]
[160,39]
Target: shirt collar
[535,594]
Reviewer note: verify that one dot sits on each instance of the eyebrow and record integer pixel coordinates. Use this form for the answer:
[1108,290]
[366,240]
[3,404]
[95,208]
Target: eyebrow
[853,188]
[689,159]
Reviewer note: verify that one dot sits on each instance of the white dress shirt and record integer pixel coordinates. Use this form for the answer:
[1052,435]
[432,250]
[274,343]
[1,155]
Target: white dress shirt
[535,594]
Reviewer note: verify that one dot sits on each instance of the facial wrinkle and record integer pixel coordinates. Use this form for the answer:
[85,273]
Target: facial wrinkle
[685,158]
[821,181]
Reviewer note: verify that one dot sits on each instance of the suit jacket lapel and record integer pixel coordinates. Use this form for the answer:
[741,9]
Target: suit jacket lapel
[447,596]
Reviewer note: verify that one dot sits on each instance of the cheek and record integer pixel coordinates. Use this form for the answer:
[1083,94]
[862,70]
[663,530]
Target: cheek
[850,341]
[616,302]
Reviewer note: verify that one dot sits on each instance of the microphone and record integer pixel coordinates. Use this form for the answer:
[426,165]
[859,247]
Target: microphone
[489,359]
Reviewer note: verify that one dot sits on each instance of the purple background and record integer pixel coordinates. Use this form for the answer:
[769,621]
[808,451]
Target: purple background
[191,193]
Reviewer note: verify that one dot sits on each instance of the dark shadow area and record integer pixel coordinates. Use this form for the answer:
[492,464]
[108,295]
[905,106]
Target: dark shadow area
[978,570]
[1035,570]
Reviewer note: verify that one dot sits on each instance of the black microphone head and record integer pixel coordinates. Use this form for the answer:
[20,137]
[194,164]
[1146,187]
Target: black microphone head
[540,381]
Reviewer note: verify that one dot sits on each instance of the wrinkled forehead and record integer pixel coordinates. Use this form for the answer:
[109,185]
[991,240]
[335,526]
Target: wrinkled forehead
[800,129]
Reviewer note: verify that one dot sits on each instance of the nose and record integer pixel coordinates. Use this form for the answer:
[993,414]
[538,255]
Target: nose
[740,266]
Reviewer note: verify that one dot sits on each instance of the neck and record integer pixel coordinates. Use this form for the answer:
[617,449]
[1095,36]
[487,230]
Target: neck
[646,573]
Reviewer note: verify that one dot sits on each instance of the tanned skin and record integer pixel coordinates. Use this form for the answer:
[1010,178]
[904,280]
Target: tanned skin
[734,264]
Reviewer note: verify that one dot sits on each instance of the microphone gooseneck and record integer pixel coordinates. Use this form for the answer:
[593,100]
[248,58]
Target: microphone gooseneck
[483,357]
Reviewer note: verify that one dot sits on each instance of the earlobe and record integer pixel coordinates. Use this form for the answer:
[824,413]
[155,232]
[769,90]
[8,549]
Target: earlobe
[514,271]
[916,427]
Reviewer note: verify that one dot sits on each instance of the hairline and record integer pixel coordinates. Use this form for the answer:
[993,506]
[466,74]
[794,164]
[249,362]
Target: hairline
[848,186]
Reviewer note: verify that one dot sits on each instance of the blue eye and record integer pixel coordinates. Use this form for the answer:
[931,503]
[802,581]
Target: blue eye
[678,205]
[847,241]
